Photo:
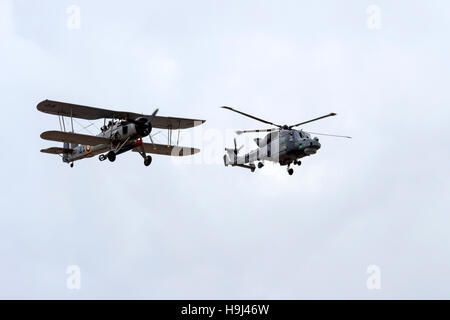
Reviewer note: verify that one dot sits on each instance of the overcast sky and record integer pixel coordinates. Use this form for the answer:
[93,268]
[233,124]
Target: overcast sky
[191,228]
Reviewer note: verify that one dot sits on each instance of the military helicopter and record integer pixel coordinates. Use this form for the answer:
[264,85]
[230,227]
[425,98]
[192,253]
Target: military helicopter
[282,144]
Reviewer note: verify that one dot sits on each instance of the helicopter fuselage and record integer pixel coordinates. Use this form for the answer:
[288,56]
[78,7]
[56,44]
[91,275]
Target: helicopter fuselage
[283,147]
[283,144]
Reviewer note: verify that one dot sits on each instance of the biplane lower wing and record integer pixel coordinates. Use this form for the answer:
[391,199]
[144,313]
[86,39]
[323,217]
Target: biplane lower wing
[91,113]
[73,138]
[167,150]
[56,150]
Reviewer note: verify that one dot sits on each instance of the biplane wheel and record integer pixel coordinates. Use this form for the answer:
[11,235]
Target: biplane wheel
[260,165]
[111,156]
[71,165]
[148,161]
[291,171]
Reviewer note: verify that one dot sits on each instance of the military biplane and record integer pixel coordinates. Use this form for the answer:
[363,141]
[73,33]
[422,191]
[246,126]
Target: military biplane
[123,132]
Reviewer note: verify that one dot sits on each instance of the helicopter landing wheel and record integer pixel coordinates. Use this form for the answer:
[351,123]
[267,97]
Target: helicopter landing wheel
[260,165]
[291,171]
[298,163]
[111,156]
[147,161]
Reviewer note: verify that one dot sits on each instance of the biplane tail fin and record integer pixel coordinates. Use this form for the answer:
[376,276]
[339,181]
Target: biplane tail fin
[68,148]
[65,156]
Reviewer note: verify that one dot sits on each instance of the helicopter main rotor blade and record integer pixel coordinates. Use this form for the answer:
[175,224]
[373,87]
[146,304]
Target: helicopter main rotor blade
[329,135]
[299,124]
[250,116]
[257,130]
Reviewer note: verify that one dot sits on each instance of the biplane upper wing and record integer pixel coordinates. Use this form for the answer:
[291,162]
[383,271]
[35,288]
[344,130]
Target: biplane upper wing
[167,150]
[175,123]
[73,138]
[56,150]
[92,113]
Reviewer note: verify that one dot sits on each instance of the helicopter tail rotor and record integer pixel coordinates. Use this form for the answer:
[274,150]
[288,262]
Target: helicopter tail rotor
[232,154]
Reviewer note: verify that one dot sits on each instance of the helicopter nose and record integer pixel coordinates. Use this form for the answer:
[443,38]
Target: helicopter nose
[312,146]
[315,143]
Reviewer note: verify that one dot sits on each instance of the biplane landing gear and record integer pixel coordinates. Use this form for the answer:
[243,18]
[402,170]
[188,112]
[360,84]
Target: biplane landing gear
[71,164]
[111,156]
[260,165]
[147,160]
[297,163]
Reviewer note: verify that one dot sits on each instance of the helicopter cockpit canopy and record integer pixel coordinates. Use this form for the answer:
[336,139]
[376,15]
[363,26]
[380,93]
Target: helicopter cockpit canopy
[304,135]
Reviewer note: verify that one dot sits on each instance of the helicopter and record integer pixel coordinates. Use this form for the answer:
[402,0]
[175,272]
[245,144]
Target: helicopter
[283,144]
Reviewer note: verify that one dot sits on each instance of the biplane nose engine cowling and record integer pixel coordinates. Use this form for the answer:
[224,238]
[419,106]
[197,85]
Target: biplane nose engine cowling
[143,126]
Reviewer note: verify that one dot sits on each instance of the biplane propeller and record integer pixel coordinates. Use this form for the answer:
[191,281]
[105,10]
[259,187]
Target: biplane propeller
[124,132]
[283,144]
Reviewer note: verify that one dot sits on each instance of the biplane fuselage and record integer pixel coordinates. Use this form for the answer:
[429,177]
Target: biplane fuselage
[116,132]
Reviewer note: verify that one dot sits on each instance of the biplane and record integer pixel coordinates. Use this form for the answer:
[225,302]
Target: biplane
[121,132]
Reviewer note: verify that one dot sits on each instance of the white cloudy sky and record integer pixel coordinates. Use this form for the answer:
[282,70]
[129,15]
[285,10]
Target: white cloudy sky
[195,229]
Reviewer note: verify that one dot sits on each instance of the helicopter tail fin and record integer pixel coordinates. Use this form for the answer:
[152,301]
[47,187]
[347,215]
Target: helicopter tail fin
[229,157]
[232,154]
[226,160]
